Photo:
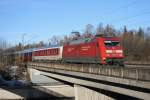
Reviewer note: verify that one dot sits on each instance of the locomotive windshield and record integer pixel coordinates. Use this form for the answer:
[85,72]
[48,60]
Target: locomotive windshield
[112,43]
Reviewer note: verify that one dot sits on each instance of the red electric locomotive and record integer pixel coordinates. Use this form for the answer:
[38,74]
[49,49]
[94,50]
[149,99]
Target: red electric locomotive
[101,50]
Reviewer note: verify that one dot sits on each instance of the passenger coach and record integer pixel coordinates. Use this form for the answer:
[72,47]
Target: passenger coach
[49,54]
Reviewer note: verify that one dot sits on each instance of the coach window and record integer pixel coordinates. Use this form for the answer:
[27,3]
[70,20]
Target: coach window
[52,52]
[37,53]
[49,52]
[40,53]
[43,52]
[56,51]
[46,52]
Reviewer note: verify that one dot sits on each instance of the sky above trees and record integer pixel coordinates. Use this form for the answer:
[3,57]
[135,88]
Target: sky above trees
[41,19]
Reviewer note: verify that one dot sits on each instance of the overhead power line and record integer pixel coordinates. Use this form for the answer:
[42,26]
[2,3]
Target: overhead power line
[124,7]
[118,9]
[130,17]
[141,22]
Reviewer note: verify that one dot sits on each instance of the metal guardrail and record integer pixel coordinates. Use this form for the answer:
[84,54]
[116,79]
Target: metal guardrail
[141,74]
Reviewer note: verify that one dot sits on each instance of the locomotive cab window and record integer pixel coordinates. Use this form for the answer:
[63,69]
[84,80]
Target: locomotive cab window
[112,43]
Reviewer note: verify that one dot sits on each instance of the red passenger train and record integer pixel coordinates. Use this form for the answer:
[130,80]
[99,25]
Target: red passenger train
[99,50]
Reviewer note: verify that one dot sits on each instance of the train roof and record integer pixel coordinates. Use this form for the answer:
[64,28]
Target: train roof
[36,49]
[25,51]
[43,48]
[81,40]
[85,40]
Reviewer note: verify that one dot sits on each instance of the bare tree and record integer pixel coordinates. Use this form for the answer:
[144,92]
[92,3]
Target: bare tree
[3,44]
[88,33]
[109,30]
[100,29]
[54,40]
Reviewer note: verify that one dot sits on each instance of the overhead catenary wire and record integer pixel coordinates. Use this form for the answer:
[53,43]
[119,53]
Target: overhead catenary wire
[144,12]
[124,7]
[130,17]
[141,22]
[120,8]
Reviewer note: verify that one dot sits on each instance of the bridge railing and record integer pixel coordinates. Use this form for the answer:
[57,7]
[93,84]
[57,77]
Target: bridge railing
[142,74]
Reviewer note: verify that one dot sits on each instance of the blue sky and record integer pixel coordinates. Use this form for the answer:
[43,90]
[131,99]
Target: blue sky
[41,19]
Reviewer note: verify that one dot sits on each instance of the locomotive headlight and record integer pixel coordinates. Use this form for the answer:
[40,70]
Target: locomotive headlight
[109,51]
[119,51]
[104,58]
